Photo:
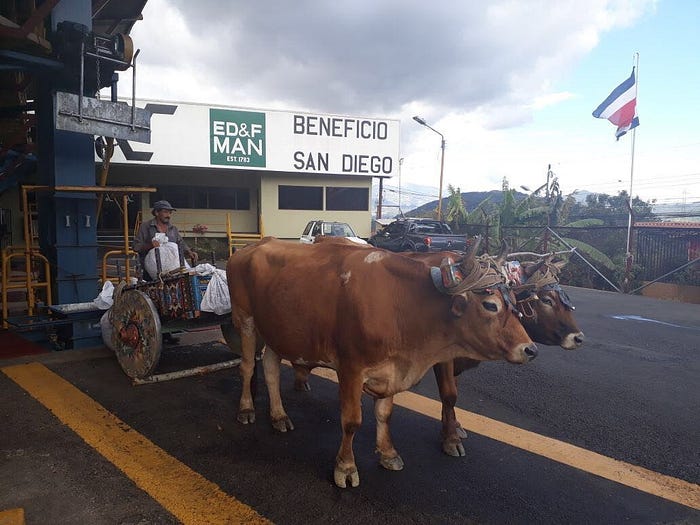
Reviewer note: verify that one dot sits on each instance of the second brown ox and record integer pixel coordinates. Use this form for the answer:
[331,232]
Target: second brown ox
[373,316]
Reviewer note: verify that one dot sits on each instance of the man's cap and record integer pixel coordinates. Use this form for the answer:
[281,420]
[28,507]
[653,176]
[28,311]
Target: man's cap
[162,205]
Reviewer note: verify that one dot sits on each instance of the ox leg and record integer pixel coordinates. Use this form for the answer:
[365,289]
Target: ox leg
[452,432]
[388,456]
[350,393]
[271,366]
[301,378]
[246,409]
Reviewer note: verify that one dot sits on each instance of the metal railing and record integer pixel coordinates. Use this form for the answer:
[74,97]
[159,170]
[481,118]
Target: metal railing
[240,239]
[27,282]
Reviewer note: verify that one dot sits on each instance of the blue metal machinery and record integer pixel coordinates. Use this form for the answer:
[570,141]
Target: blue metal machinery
[67,224]
[80,63]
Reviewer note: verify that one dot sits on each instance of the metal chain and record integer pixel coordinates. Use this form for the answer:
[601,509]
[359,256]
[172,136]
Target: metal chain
[97,68]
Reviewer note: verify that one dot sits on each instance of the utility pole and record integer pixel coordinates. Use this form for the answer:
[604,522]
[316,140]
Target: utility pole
[379,199]
[422,122]
[400,166]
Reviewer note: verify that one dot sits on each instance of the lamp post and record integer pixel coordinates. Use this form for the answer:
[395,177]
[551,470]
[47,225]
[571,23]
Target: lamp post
[422,122]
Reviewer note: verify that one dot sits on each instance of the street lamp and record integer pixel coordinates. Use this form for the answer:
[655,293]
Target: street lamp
[422,122]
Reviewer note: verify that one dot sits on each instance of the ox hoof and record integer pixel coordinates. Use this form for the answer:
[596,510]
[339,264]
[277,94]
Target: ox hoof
[302,386]
[246,416]
[461,433]
[453,448]
[391,463]
[282,424]
[342,476]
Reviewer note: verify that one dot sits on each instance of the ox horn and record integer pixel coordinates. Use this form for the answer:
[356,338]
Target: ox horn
[501,258]
[473,247]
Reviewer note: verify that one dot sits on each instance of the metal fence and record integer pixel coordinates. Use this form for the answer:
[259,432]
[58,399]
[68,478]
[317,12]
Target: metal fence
[661,253]
[669,254]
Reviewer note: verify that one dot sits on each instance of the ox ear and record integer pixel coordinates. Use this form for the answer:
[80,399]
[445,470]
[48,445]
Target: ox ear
[459,305]
[529,269]
[560,263]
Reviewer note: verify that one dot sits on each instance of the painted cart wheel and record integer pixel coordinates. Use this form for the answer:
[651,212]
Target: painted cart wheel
[136,335]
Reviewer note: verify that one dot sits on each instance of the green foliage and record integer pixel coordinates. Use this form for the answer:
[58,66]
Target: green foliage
[458,217]
[591,253]
[457,214]
[585,223]
[614,209]
[597,228]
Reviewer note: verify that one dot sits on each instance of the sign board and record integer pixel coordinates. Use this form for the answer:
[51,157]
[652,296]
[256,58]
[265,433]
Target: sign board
[198,135]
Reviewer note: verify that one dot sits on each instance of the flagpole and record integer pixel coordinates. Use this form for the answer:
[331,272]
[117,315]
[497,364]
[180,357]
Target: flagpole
[628,265]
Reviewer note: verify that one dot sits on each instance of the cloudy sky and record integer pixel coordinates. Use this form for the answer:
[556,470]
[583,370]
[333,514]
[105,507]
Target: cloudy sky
[510,84]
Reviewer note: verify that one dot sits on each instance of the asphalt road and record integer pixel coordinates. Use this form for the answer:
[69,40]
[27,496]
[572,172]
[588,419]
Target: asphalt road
[630,394]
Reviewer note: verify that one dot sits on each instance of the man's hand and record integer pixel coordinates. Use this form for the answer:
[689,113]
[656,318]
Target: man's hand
[194,257]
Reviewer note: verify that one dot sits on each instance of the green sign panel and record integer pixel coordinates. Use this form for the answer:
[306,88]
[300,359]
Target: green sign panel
[237,138]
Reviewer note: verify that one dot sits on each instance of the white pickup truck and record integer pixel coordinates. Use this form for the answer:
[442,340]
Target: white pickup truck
[329,228]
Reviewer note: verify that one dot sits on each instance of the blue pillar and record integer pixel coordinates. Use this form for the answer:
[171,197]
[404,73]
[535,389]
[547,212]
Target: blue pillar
[67,223]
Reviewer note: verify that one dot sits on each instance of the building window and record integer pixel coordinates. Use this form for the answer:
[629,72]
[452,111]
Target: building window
[300,197]
[229,199]
[204,198]
[347,199]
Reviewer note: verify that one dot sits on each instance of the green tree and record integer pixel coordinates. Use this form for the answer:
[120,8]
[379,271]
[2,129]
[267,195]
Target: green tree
[457,214]
[613,210]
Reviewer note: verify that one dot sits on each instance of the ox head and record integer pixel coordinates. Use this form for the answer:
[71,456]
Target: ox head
[483,308]
[547,311]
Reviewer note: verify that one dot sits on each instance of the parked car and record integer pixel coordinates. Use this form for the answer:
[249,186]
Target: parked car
[329,228]
[418,235]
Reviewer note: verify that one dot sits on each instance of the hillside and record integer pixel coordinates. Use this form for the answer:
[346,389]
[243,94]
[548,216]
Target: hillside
[411,199]
[419,200]
[471,200]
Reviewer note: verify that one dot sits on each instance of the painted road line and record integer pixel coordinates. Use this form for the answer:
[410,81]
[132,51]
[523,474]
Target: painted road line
[12,517]
[184,493]
[667,487]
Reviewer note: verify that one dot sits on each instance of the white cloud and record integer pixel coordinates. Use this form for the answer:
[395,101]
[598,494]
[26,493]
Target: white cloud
[476,71]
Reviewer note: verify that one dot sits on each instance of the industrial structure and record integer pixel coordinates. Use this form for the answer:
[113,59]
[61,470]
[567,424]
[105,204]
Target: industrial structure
[74,165]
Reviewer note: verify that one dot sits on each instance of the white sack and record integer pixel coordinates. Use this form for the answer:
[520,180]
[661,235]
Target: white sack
[169,259]
[161,238]
[205,269]
[105,300]
[106,328]
[216,297]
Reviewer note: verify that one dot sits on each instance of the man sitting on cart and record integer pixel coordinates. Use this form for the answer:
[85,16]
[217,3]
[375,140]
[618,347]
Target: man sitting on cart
[143,242]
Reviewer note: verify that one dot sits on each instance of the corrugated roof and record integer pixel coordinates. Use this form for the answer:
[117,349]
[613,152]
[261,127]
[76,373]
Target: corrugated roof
[110,17]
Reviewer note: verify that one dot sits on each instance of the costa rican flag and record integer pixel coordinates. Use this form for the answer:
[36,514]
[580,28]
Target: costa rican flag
[620,107]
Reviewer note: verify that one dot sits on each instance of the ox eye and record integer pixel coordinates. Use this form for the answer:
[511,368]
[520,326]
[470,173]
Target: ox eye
[493,307]
[547,301]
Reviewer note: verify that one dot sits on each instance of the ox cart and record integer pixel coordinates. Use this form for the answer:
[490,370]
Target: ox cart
[142,312]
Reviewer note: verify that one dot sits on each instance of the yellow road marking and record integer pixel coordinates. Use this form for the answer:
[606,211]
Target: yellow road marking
[187,495]
[667,487]
[12,517]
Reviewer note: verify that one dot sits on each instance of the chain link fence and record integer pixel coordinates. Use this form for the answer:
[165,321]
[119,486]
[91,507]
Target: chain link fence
[667,254]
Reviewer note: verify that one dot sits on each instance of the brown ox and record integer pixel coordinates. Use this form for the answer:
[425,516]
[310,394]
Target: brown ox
[373,316]
[546,313]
